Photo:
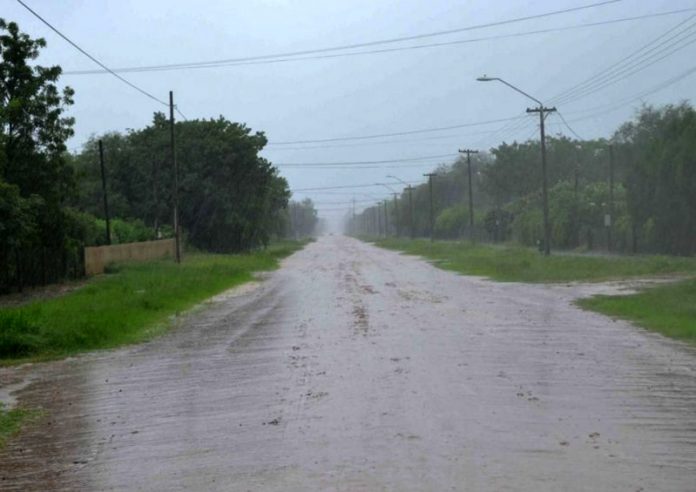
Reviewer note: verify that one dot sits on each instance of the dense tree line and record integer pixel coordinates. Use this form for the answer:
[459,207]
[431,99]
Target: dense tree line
[651,205]
[231,199]
[301,219]
[51,202]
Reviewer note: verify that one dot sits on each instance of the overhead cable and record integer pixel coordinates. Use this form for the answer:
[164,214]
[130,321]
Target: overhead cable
[77,47]
[370,43]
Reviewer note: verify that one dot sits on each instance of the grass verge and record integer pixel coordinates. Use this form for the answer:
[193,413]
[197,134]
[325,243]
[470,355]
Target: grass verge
[667,309]
[130,305]
[516,263]
[11,421]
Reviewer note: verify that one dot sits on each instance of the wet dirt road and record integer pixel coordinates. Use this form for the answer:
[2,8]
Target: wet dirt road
[354,368]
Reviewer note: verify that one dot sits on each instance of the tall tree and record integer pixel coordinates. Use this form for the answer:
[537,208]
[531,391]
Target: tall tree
[33,132]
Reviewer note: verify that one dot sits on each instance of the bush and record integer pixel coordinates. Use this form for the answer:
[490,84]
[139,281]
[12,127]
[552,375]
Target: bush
[450,223]
[130,231]
[18,335]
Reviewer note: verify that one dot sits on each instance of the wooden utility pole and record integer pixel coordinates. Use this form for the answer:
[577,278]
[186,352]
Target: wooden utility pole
[106,200]
[410,211]
[175,166]
[430,177]
[396,214]
[610,221]
[353,226]
[386,220]
[468,153]
[544,180]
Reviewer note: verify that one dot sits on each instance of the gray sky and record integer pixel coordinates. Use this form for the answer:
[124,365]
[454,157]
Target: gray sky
[377,93]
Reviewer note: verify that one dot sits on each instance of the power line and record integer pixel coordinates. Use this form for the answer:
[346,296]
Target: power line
[213,63]
[344,202]
[180,113]
[322,188]
[604,109]
[568,126]
[346,193]
[222,64]
[636,61]
[142,91]
[512,125]
[163,68]
[386,142]
[386,161]
[629,71]
[370,166]
[395,134]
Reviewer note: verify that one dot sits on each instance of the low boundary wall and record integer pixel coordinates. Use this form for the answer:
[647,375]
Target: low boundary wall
[97,257]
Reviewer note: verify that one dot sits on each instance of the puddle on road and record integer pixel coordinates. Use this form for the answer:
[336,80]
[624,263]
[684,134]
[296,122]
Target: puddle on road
[460,381]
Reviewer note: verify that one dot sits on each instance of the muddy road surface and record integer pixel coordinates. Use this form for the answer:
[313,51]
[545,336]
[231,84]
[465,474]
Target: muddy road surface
[357,369]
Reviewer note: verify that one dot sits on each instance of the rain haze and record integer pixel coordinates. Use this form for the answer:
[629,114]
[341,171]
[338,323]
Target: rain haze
[386,88]
[348,246]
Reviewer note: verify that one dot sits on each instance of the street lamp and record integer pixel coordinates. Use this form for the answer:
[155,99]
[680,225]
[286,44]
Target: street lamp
[541,109]
[398,179]
[395,194]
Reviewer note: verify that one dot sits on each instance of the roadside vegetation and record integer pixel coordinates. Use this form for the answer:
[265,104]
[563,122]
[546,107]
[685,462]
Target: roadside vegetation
[632,193]
[52,203]
[667,309]
[11,421]
[132,303]
[521,264]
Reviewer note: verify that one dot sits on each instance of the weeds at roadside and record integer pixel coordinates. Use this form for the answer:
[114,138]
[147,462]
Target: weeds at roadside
[667,309]
[128,306]
[11,421]
[518,264]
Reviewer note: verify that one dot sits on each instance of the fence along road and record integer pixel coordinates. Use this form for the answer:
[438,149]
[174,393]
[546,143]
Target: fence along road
[355,368]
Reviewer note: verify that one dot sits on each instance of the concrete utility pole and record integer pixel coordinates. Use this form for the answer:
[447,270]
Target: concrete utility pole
[386,220]
[432,212]
[468,153]
[610,218]
[175,166]
[542,110]
[106,200]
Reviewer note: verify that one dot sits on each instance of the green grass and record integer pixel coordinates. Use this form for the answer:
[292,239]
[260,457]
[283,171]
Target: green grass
[11,421]
[516,263]
[667,309]
[130,305]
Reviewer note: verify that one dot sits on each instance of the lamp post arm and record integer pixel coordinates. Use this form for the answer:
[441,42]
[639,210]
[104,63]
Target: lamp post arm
[519,90]
[398,179]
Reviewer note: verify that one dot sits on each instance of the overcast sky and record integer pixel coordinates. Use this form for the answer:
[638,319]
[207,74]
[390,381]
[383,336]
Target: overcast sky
[369,94]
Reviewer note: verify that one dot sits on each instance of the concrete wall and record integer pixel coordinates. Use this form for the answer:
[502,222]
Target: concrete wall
[97,257]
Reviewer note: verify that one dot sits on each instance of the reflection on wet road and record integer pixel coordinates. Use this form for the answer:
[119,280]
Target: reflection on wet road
[354,368]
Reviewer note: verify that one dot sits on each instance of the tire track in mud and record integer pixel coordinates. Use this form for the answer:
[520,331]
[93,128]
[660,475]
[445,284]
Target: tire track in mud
[355,289]
[355,368]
